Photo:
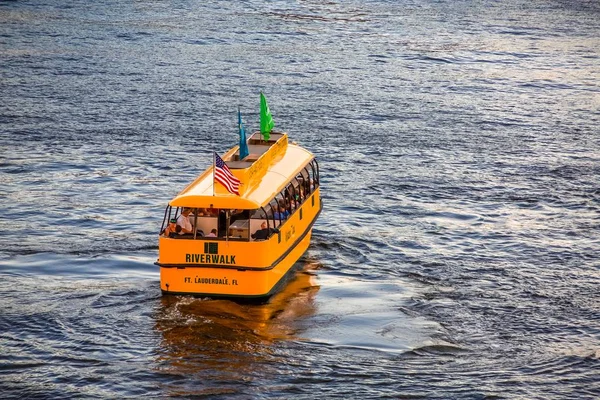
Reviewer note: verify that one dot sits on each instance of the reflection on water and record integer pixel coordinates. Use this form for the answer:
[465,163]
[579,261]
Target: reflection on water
[211,341]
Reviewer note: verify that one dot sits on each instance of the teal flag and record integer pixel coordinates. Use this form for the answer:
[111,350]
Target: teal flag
[243,141]
[266,120]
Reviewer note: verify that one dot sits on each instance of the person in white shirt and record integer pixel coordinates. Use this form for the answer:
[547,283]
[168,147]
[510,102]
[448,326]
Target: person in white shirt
[184,222]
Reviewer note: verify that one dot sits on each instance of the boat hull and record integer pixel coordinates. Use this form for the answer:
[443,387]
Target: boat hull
[230,282]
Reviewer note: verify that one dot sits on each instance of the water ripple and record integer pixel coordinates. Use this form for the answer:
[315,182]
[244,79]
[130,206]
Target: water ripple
[457,253]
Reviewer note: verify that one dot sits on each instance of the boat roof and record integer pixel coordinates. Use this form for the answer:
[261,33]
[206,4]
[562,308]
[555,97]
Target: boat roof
[201,193]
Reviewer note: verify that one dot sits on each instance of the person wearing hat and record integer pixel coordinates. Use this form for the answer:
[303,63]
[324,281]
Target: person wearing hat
[184,222]
[172,229]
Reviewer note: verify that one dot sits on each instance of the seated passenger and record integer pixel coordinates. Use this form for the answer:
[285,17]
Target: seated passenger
[171,230]
[213,233]
[263,233]
[184,222]
[294,203]
[281,214]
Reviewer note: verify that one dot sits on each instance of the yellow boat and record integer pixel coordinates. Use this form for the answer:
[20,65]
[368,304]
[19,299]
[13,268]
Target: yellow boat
[278,189]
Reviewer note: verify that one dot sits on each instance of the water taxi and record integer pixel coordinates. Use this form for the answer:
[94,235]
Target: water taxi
[246,231]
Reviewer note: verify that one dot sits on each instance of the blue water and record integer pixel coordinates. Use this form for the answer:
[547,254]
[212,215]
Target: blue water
[457,255]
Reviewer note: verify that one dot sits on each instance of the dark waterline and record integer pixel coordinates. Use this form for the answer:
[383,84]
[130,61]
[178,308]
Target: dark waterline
[457,252]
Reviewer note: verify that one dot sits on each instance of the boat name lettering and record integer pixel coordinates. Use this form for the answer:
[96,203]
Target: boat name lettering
[258,166]
[209,259]
[290,233]
[210,281]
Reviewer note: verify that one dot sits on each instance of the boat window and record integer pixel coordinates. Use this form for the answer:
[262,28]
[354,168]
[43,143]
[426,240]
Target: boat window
[313,172]
[259,213]
[270,210]
[239,224]
[166,219]
[289,196]
[279,210]
[257,218]
[304,174]
[203,221]
[298,186]
[305,180]
[294,195]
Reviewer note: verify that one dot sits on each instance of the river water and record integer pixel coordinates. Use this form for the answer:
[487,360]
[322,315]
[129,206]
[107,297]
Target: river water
[457,255]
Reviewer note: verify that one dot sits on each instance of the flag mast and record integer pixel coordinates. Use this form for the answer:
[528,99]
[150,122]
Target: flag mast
[214,171]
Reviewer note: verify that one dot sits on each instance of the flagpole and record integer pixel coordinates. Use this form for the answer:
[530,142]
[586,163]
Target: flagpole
[227,215]
[240,133]
[214,170]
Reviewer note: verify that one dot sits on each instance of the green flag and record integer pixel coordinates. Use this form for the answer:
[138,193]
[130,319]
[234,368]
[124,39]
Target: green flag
[266,120]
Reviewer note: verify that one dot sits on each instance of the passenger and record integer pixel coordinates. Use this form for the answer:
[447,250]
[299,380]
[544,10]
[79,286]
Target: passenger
[213,233]
[184,222]
[263,233]
[171,230]
[287,206]
[295,202]
[298,199]
[281,213]
[300,195]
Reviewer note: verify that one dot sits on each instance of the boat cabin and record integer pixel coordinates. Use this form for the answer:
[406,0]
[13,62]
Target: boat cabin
[240,223]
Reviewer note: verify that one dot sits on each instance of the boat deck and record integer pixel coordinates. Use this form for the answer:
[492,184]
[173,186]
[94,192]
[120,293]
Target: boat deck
[254,153]
[256,148]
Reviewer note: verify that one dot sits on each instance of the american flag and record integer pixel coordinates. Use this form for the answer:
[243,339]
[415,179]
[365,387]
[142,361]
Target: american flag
[224,176]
